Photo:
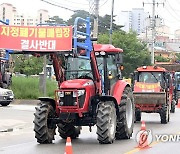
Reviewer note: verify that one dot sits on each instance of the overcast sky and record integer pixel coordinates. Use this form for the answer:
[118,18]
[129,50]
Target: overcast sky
[170,12]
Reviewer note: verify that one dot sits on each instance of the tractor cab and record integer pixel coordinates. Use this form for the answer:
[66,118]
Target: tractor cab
[152,75]
[109,61]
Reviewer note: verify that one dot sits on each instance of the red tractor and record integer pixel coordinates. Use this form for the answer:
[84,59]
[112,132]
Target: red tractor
[91,92]
[153,92]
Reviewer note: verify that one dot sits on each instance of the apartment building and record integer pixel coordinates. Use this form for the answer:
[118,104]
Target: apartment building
[8,11]
[125,19]
[133,20]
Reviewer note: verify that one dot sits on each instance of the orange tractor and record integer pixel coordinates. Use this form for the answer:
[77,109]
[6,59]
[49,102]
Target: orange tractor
[153,92]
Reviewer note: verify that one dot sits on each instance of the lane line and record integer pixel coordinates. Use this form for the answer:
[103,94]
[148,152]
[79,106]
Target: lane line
[138,149]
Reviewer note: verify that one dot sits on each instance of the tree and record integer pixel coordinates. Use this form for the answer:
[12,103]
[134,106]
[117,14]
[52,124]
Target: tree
[81,25]
[56,20]
[79,13]
[28,65]
[103,22]
[161,59]
[135,53]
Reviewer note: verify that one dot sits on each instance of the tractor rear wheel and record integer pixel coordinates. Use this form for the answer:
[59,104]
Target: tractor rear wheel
[137,115]
[164,114]
[173,106]
[43,126]
[68,130]
[106,122]
[125,123]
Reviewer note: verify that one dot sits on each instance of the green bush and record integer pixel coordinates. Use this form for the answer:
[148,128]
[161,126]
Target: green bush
[28,87]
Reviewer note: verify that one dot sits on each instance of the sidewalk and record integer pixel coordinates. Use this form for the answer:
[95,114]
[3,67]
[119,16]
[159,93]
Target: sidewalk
[25,101]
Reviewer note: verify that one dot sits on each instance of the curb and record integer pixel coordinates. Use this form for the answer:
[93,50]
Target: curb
[25,102]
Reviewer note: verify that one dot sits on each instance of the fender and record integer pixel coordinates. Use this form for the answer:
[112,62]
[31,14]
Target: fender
[48,99]
[117,90]
[95,101]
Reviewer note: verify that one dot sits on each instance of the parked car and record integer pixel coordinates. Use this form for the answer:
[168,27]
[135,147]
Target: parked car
[6,96]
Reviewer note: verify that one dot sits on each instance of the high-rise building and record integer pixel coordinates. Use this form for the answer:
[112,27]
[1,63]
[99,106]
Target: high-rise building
[133,20]
[42,16]
[125,20]
[8,11]
[138,20]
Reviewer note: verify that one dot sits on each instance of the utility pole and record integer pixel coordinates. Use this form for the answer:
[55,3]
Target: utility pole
[96,14]
[111,24]
[153,26]
[44,77]
[153,33]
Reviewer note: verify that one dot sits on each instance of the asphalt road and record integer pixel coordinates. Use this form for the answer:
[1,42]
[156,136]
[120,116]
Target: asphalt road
[17,136]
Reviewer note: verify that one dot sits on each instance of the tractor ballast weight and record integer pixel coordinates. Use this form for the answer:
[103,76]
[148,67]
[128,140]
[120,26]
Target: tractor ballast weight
[90,91]
[153,92]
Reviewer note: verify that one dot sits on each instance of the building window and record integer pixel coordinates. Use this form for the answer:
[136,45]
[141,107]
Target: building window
[40,17]
[4,14]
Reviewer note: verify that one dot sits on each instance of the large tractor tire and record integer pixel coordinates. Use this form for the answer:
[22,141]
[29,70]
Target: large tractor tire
[68,130]
[164,114]
[125,124]
[137,116]
[43,126]
[173,106]
[106,122]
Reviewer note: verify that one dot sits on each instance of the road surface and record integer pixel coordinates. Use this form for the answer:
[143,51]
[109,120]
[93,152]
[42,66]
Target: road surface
[17,135]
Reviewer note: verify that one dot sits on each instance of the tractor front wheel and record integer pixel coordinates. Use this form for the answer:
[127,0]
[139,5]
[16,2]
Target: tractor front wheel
[43,125]
[106,122]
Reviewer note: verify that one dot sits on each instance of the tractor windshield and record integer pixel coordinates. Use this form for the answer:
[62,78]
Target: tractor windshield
[150,77]
[78,68]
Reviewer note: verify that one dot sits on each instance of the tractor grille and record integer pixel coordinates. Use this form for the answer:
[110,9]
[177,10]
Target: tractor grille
[69,100]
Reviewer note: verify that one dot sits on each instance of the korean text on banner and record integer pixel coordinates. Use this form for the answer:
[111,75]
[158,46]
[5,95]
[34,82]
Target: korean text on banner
[28,38]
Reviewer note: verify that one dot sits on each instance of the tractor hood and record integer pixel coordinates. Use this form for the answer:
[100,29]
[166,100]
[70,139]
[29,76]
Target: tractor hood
[76,83]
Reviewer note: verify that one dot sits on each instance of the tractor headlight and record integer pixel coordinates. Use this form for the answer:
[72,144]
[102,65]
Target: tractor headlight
[61,93]
[78,93]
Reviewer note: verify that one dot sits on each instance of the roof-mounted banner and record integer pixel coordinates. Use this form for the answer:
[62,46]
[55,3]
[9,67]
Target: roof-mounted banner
[39,38]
